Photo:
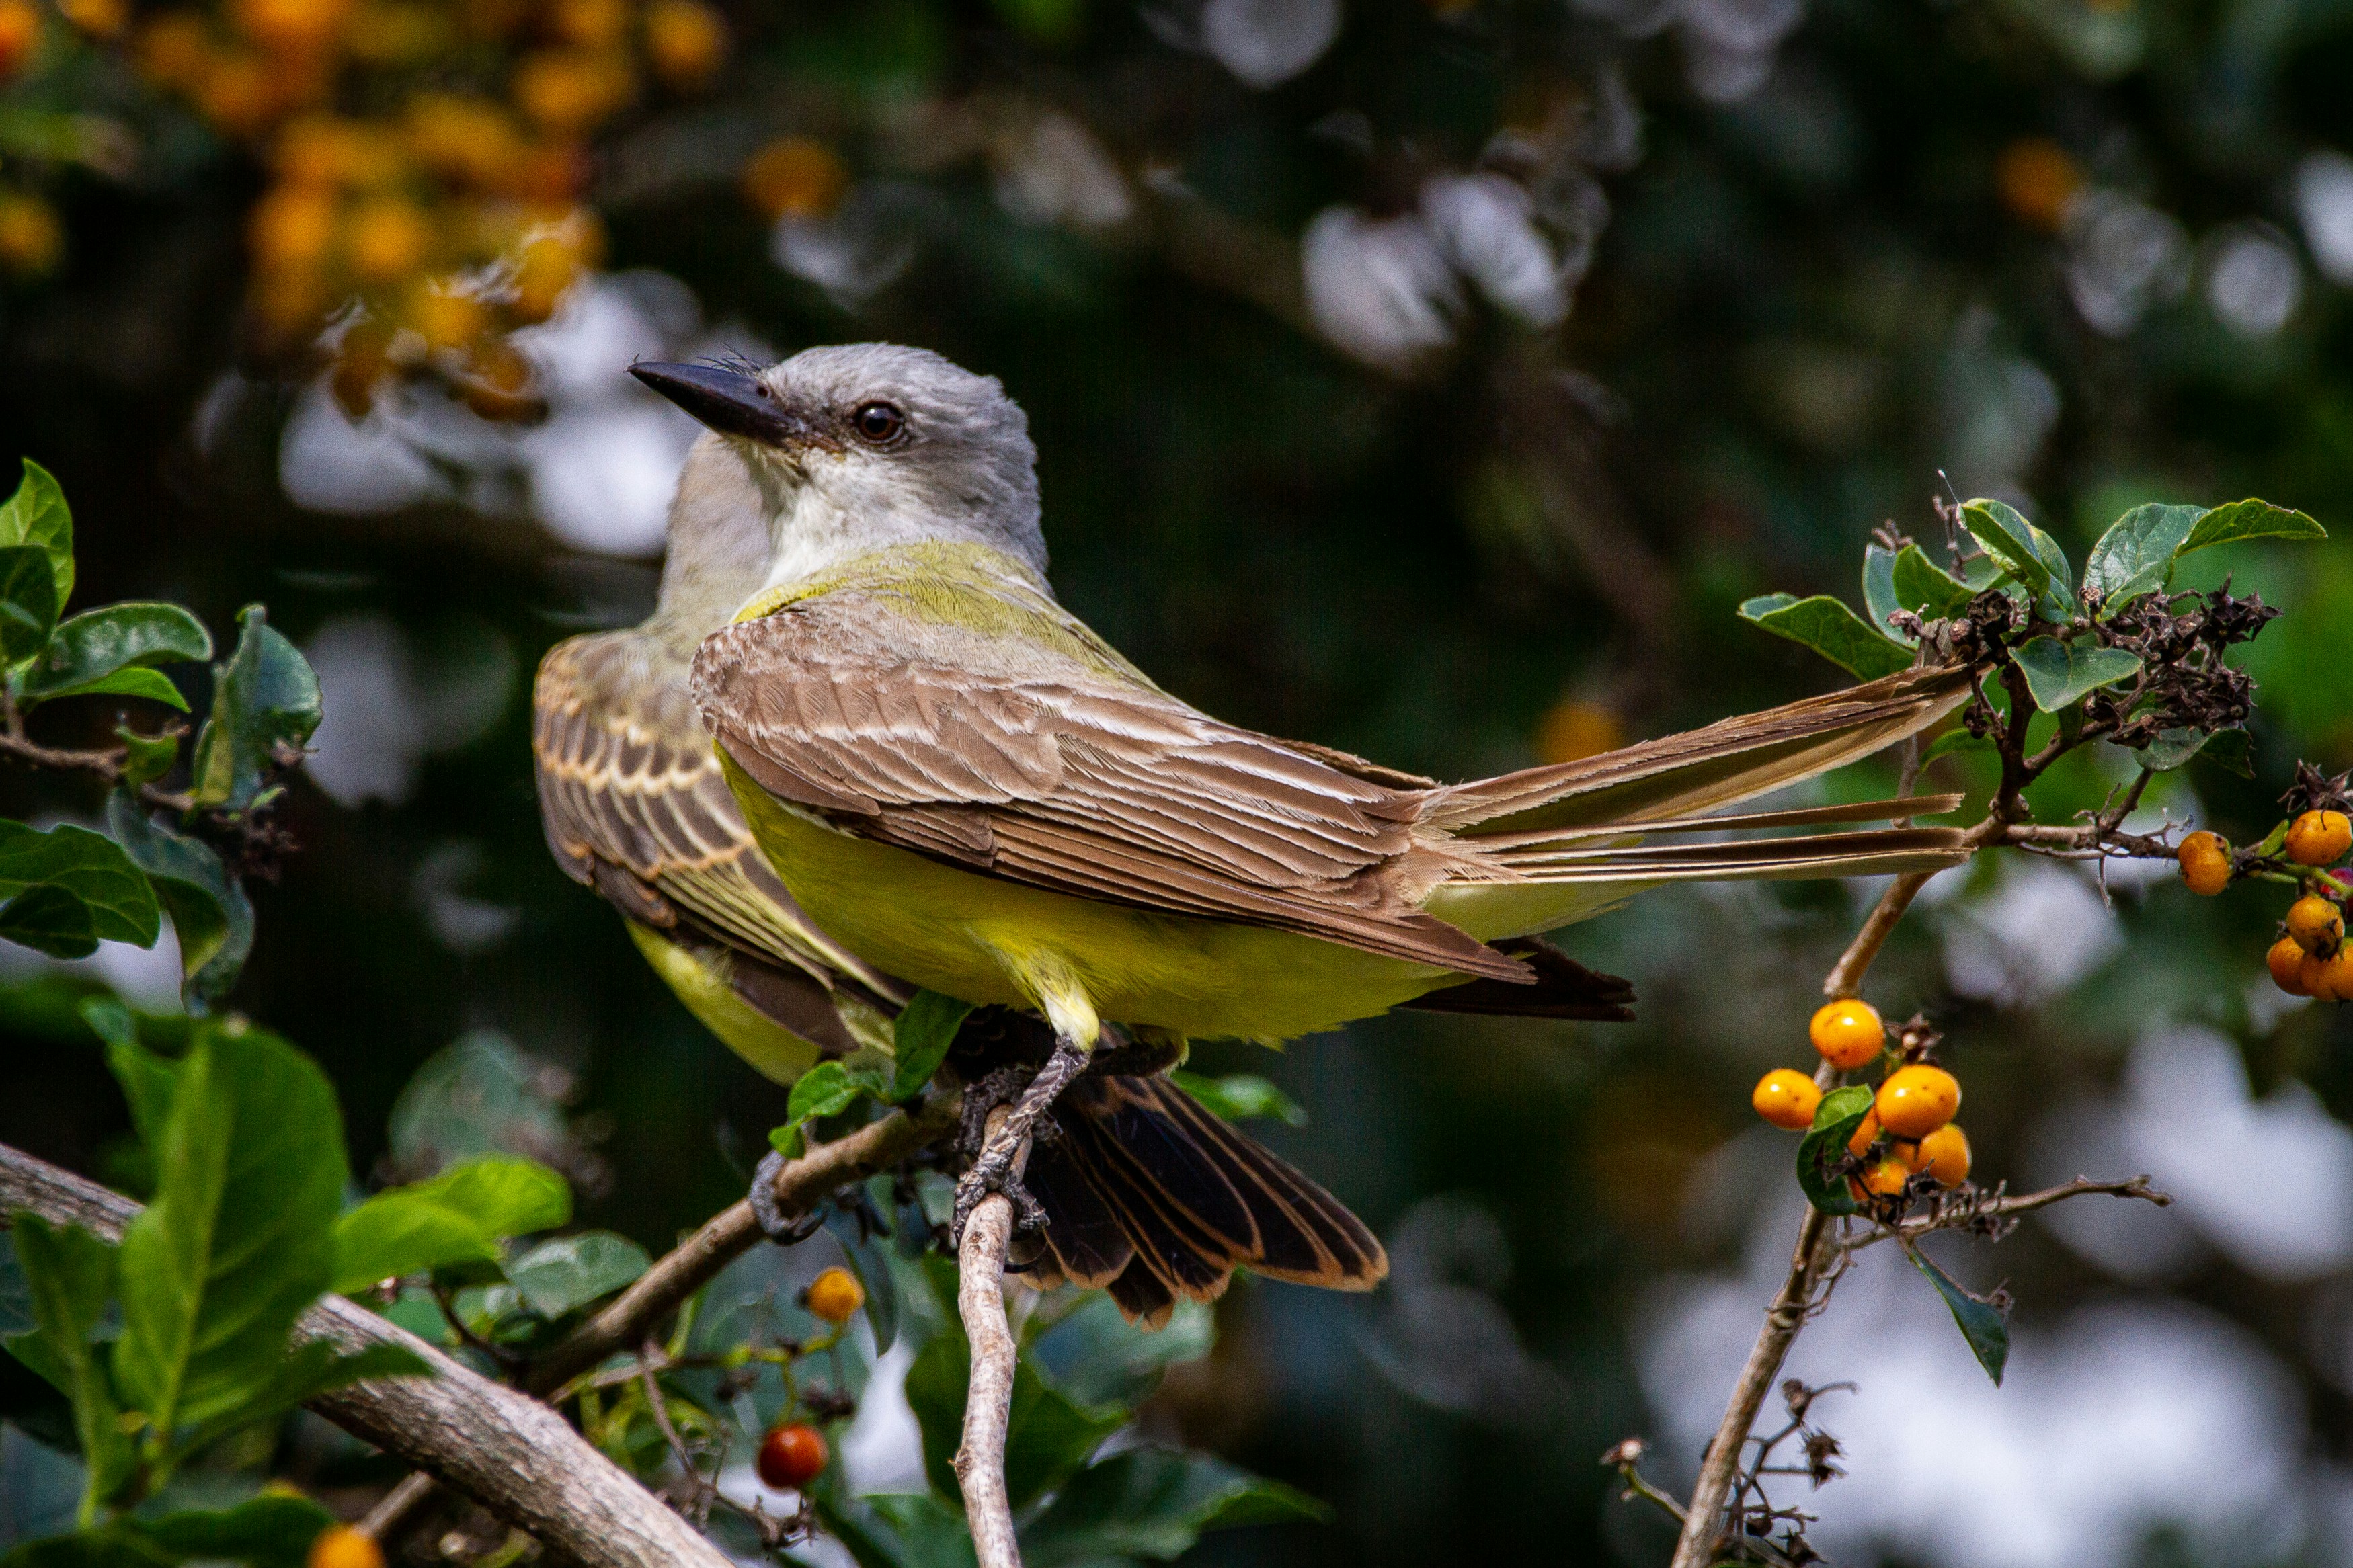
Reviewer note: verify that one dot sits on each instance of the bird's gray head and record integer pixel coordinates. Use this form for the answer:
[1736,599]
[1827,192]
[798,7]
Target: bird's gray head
[860,446]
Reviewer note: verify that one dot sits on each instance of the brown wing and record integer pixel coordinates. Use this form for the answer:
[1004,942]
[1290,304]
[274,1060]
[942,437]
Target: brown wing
[1066,778]
[634,805]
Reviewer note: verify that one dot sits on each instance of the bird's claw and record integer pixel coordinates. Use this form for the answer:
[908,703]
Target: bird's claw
[764,1209]
[993,1173]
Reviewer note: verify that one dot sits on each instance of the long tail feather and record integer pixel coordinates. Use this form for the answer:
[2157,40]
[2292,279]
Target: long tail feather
[1811,855]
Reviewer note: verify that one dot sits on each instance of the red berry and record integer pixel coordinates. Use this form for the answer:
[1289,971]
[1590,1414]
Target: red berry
[791,1457]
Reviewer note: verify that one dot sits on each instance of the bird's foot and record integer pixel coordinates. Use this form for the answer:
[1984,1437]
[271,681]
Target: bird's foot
[764,1208]
[996,1169]
[1145,1053]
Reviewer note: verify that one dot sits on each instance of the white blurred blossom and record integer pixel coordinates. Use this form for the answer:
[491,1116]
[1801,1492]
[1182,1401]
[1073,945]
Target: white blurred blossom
[1441,1336]
[2253,282]
[2041,930]
[2123,258]
[2324,201]
[856,250]
[1265,42]
[1999,406]
[1729,45]
[1058,172]
[1380,288]
[1485,225]
[385,705]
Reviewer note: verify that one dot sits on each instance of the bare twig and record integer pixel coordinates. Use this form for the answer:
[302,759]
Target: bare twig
[511,1454]
[398,1509]
[1992,1208]
[989,1392]
[105,764]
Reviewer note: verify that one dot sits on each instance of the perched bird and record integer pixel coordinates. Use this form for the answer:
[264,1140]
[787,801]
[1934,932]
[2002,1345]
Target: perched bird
[1147,1193]
[966,786]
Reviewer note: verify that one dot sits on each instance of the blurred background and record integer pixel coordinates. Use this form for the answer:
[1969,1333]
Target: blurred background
[1429,378]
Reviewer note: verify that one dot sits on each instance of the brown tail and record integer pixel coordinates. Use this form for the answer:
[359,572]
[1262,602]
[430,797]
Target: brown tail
[1151,1197]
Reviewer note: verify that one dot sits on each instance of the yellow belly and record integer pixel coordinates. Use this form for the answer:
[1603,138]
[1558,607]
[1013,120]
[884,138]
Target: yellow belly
[987,940]
[775,1051]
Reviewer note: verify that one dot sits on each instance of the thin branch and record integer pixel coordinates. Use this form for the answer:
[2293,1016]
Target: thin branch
[511,1454]
[104,764]
[694,1262]
[989,1392]
[1995,1207]
[398,1509]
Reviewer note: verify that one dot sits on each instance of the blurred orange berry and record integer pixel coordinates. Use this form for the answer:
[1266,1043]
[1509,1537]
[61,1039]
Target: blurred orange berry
[2285,960]
[1945,1155]
[362,360]
[397,35]
[31,238]
[569,91]
[2205,863]
[835,1295]
[591,24]
[237,92]
[1786,1098]
[470,138]
[99,18]
[546,270]
[686,40]
[1574,729]
[2037,181]
[387,239]
[20,35]
[1848,1033]
[292,227]
[498,383]
[174,50]
[444,318]
[290,26]
[550,174]
[2320,838]
[797,177]
[1915,1101]
[340,1546]
[2317,924]
[322,150]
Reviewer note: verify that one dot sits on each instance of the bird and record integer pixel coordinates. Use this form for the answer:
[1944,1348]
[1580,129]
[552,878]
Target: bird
[964,785]
[1147,1195]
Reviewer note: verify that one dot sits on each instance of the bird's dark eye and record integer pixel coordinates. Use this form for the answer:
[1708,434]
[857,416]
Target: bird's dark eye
[878,422]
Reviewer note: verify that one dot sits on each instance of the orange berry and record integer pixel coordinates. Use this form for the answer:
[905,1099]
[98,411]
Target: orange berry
[290,26]
[1945,1155]
[796,177]
[1786,1098]
[2037,181]
[791,1457]
[1848,1033]
[99,18]
[836,1295]
[593,24]
[340,1546]
[686,40]
[2285,960]
[292,227]
[20,35]
[499,386]
[2320,838]
[174,50]
[237,92]
[2328,979]
[1866,1133]
[1913,1101]
[1884,1178]
[387,240]
[31,238]
[1574,729]
[569,91]
[2205,864]
[2317,924]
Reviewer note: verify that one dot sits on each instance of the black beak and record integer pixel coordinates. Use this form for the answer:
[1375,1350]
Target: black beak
[733,403]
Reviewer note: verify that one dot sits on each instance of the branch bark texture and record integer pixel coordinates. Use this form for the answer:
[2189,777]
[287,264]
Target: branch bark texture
[988,1391]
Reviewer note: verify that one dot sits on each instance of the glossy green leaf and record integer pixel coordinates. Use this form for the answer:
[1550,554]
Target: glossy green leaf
[1048,1435]
[1841,1111]
[2170,750]
[49,920]
[265,707]
[1154,1502]
[29,602]
[239,1239]
[894,1529]
[69,1276]
[2060,675]
[145,758]
[459,1216]
[1237,1096]
[2134,556]
[268,1531]
[1980,1321]
[926,1027]
[2232,751]
[555,1277]
[2029,555]
[1925,588]
[828,1089]
[122,639]
[2239,520]
[303,1374]
[89,866]
[1829,627]
[1878,598]
[210,913]
[36,515]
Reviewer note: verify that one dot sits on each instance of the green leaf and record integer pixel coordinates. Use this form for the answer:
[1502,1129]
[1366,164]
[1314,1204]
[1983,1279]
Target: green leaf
[2061,674]
[1925,588]
[2026,552]
[828,1089]
[459,1216]
[2134,556]
[69,1276]
[49,920]
[89,866]
[1955,740]
[2170,750]
[268,1531]
[210,912]
[1048,1435]
[149,1082]
[894,1529]
[927,1026]
[1879,600]
[1842,1111]
[145,758]
[2232,751]
[111,1547]
[1236,1097]
[265,707]
[91,649]
[305,1373]
[1830,629]
[29,602]
[239,1240]
[36,514]
[2239,520]
[571,1272]
[1154,1502]
[1980,1321]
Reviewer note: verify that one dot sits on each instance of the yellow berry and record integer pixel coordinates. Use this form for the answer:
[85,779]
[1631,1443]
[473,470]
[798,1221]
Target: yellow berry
[836,1296]
[340,1546]
[1945,1155]
[1915,1101]
[2329,979]
[2285,960]
[1786,1098]
[2317,924]
[2205,864]
[2320,838]
[796,177]
[1848,1033]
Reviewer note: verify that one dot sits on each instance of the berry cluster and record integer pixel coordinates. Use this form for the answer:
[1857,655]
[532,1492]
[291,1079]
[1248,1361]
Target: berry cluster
[793,1453]
[1909,1132]
[2311,957]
